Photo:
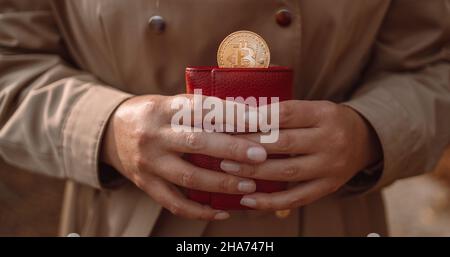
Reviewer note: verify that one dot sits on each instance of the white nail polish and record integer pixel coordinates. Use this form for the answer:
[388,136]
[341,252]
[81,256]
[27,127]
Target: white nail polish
[257,154]
[249,202]
[221,216]
[230,166]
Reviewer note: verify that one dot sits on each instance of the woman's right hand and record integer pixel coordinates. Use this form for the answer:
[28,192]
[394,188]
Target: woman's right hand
[141,144]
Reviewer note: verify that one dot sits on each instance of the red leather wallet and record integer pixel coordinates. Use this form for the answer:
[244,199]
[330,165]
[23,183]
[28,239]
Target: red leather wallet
[231,82]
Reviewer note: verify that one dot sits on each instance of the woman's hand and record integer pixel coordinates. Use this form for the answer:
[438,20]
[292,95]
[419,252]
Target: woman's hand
[329,144]
[141,144]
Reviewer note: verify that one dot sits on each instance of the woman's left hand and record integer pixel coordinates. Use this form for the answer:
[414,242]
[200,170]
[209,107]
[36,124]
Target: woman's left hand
[329,144]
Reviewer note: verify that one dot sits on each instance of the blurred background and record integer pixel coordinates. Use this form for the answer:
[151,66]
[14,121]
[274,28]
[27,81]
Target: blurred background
[420,206]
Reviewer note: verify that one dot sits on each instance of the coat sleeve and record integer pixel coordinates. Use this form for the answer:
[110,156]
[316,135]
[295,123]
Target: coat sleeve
[405,94]
[51,115]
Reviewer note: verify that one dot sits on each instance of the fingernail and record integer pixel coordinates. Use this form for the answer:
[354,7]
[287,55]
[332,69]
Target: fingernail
[247,186]
[222,216]
[257,154]
[249,202]
[230,166]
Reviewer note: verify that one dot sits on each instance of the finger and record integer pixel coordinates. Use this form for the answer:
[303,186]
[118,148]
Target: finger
[182,173]
[291,141]
[300,195]
[295,169]
[217,145]
[299,114]
[172,199]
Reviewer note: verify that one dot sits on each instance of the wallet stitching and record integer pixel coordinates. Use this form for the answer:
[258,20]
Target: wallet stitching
[213,91]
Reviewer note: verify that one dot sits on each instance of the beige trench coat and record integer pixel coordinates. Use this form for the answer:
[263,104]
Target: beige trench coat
[65,65]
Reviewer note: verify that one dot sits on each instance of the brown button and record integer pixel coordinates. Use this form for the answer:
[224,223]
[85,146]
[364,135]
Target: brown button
[283,17]
[157,23]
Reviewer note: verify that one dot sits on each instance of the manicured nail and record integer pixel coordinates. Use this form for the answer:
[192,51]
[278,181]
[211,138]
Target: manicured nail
[247,186]
[257,154]
[249,202]
[230,166]
[222,216]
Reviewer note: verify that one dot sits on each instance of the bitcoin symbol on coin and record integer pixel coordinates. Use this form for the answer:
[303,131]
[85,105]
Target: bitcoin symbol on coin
[243,49]
[247,55]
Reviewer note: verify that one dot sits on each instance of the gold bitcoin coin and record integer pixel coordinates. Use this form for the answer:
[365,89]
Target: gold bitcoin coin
[243,49]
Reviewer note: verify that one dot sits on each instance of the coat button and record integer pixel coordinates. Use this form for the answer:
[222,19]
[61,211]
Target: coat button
[157,23]
[283,17]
